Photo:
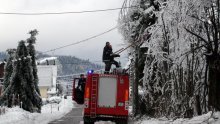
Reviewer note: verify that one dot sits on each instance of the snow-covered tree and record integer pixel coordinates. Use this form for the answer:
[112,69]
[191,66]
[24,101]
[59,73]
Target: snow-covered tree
[32,53]
[210,40]
[9,68]
[7,77]
[134,23]
[21,90]
[23,77]
[182,54]
[175,71]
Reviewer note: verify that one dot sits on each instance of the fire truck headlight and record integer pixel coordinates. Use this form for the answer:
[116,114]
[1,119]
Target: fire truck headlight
[86,103]
[126,105]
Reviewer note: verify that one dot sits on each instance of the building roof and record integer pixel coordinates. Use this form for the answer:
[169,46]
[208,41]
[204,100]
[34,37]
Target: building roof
[45,60]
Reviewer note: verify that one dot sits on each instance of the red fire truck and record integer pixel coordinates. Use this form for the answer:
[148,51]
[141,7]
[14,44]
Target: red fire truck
[106,98]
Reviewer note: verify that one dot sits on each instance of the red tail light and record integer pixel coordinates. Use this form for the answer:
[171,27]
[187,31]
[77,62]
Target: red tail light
[126,95]
[126,100]
[87,93]
[86,100]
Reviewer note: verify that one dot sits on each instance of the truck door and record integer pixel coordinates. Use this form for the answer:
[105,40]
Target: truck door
[75,84]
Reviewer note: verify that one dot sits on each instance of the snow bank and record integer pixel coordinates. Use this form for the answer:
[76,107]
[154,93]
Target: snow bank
[48,113]
[52,91]
[54,99]
[203,119]
[104,122]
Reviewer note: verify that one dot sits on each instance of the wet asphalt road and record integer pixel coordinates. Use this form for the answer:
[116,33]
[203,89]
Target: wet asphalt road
[73,117]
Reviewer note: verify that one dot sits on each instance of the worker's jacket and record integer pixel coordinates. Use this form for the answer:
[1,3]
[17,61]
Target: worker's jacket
[106,56]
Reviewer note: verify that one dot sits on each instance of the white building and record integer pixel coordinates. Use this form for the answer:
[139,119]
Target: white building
[47,75]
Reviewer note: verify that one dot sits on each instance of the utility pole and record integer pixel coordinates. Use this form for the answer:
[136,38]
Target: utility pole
[135,81]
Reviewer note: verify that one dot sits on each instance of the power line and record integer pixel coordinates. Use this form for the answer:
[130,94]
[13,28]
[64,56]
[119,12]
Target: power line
[52,50]
[59,13]
[83,40]
[87,39]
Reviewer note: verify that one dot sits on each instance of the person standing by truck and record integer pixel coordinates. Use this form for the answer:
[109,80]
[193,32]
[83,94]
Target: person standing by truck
[81,83]
[108,57]
[81,88]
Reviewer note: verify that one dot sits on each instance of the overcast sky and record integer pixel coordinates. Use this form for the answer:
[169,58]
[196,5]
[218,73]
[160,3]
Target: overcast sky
[59,30]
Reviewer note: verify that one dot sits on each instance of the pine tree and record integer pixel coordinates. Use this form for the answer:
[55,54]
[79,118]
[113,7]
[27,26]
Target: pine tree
[15,87]
[32,53]
[22,88]
[9,68]
[30,98]
[24,78]
[4,99]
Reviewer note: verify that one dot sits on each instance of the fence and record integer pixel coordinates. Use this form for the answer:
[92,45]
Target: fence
[2,110]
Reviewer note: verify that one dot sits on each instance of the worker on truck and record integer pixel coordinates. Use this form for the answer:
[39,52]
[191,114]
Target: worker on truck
[108,57]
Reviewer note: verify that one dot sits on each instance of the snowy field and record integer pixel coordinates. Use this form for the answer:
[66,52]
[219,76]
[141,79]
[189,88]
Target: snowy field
[203,119]
[48,113]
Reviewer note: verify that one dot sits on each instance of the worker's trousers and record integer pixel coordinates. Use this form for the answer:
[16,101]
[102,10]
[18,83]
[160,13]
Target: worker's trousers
[109,64]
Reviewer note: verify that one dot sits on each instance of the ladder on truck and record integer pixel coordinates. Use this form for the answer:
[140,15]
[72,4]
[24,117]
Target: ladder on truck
[94,97]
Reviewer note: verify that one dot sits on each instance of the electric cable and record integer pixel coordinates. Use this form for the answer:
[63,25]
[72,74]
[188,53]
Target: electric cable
[67,12]
[92,37]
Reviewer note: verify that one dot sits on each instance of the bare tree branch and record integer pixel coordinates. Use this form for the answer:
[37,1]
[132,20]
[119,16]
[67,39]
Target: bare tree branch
[198,36]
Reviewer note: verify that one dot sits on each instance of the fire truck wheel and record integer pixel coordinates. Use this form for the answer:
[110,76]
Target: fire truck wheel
[122,121]
[88,121]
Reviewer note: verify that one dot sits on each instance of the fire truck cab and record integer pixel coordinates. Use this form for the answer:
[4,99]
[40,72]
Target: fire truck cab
[106,98]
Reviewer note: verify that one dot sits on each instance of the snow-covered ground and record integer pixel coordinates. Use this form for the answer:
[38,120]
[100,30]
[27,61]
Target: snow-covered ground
[101,122]
[48,113]
[203,119]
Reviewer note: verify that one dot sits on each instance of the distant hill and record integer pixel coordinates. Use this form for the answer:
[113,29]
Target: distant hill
[71,64]
[66,64]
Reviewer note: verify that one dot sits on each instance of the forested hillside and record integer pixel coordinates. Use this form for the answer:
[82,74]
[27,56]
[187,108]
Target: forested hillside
[71,65]
[66,64]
